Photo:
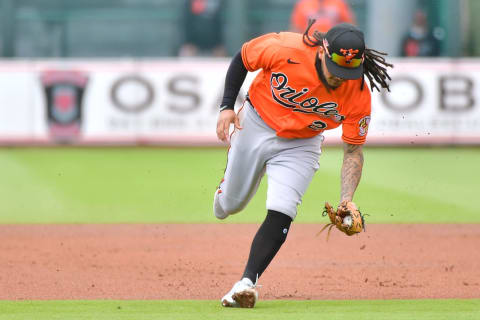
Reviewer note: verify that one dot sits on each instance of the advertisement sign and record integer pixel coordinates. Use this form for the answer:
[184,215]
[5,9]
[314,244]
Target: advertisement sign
[176,101]
[64,99]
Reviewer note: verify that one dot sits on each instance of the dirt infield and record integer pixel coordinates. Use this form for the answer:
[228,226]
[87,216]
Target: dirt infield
[202,262]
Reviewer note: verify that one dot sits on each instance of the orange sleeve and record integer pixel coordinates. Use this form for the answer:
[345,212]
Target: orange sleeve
[260,52]
[355,126]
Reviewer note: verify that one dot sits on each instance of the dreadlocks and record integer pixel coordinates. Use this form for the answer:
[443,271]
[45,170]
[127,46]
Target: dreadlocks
[374,65]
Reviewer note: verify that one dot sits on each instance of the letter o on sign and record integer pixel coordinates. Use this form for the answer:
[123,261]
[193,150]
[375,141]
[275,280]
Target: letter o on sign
[132,94]
[406,94]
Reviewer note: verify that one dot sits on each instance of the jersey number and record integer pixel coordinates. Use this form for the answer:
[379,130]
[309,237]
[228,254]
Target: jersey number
[318,125]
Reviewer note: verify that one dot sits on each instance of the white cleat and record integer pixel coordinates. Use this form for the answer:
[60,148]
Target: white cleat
[217,209]
[242,295]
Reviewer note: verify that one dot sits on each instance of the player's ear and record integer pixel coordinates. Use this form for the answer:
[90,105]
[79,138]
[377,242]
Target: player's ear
[320,51]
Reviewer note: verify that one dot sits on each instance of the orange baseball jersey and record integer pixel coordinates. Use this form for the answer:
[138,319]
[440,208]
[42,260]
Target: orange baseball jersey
[289,96]
[326,13]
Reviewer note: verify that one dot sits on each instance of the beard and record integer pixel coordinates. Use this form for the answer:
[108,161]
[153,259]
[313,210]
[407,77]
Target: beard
[335,82]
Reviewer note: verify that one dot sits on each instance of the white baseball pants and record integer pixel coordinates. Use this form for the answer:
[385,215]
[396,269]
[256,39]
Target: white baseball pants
[290,165]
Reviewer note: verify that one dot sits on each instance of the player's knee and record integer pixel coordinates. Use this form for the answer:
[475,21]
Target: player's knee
[231,205]
[279,225]
[288,208]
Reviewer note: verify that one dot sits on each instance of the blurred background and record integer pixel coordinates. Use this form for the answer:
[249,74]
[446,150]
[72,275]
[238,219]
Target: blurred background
[156,28]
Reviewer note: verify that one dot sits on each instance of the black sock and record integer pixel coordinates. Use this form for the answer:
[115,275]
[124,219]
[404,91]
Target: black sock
[267,242]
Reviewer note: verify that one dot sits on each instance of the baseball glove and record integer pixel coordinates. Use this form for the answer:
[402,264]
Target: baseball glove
[347,218]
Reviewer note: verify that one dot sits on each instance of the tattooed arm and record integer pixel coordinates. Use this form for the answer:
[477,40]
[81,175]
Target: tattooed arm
[351,170]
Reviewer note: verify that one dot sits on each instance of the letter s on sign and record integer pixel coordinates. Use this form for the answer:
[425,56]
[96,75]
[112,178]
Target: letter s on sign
[184,88]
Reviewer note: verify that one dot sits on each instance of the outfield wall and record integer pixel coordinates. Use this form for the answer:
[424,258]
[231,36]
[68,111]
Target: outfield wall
[175,102]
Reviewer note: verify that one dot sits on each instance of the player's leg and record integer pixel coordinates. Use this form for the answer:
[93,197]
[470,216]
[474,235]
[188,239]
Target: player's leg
[289,174]
[245,164]
[286,154]
[266,243]
[250,149]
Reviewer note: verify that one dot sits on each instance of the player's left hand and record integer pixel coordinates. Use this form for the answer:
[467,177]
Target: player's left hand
[225,118]
[347,218]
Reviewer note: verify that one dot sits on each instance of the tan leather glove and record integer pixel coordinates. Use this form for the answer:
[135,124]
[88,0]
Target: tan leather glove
[347,218]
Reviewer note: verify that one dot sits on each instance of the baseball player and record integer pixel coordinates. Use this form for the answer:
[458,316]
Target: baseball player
[307,84]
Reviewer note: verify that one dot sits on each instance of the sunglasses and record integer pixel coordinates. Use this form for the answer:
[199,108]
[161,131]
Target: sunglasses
[344,60]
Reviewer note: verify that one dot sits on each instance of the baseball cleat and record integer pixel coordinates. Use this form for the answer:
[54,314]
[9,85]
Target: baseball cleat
[246,298]
[217,209]
[242,295]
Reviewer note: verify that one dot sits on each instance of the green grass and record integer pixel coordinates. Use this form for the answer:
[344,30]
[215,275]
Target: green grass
[116,185]
[278,310]
[94,185]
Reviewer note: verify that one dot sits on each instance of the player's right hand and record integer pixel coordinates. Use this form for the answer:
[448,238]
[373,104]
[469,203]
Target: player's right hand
[225,118]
